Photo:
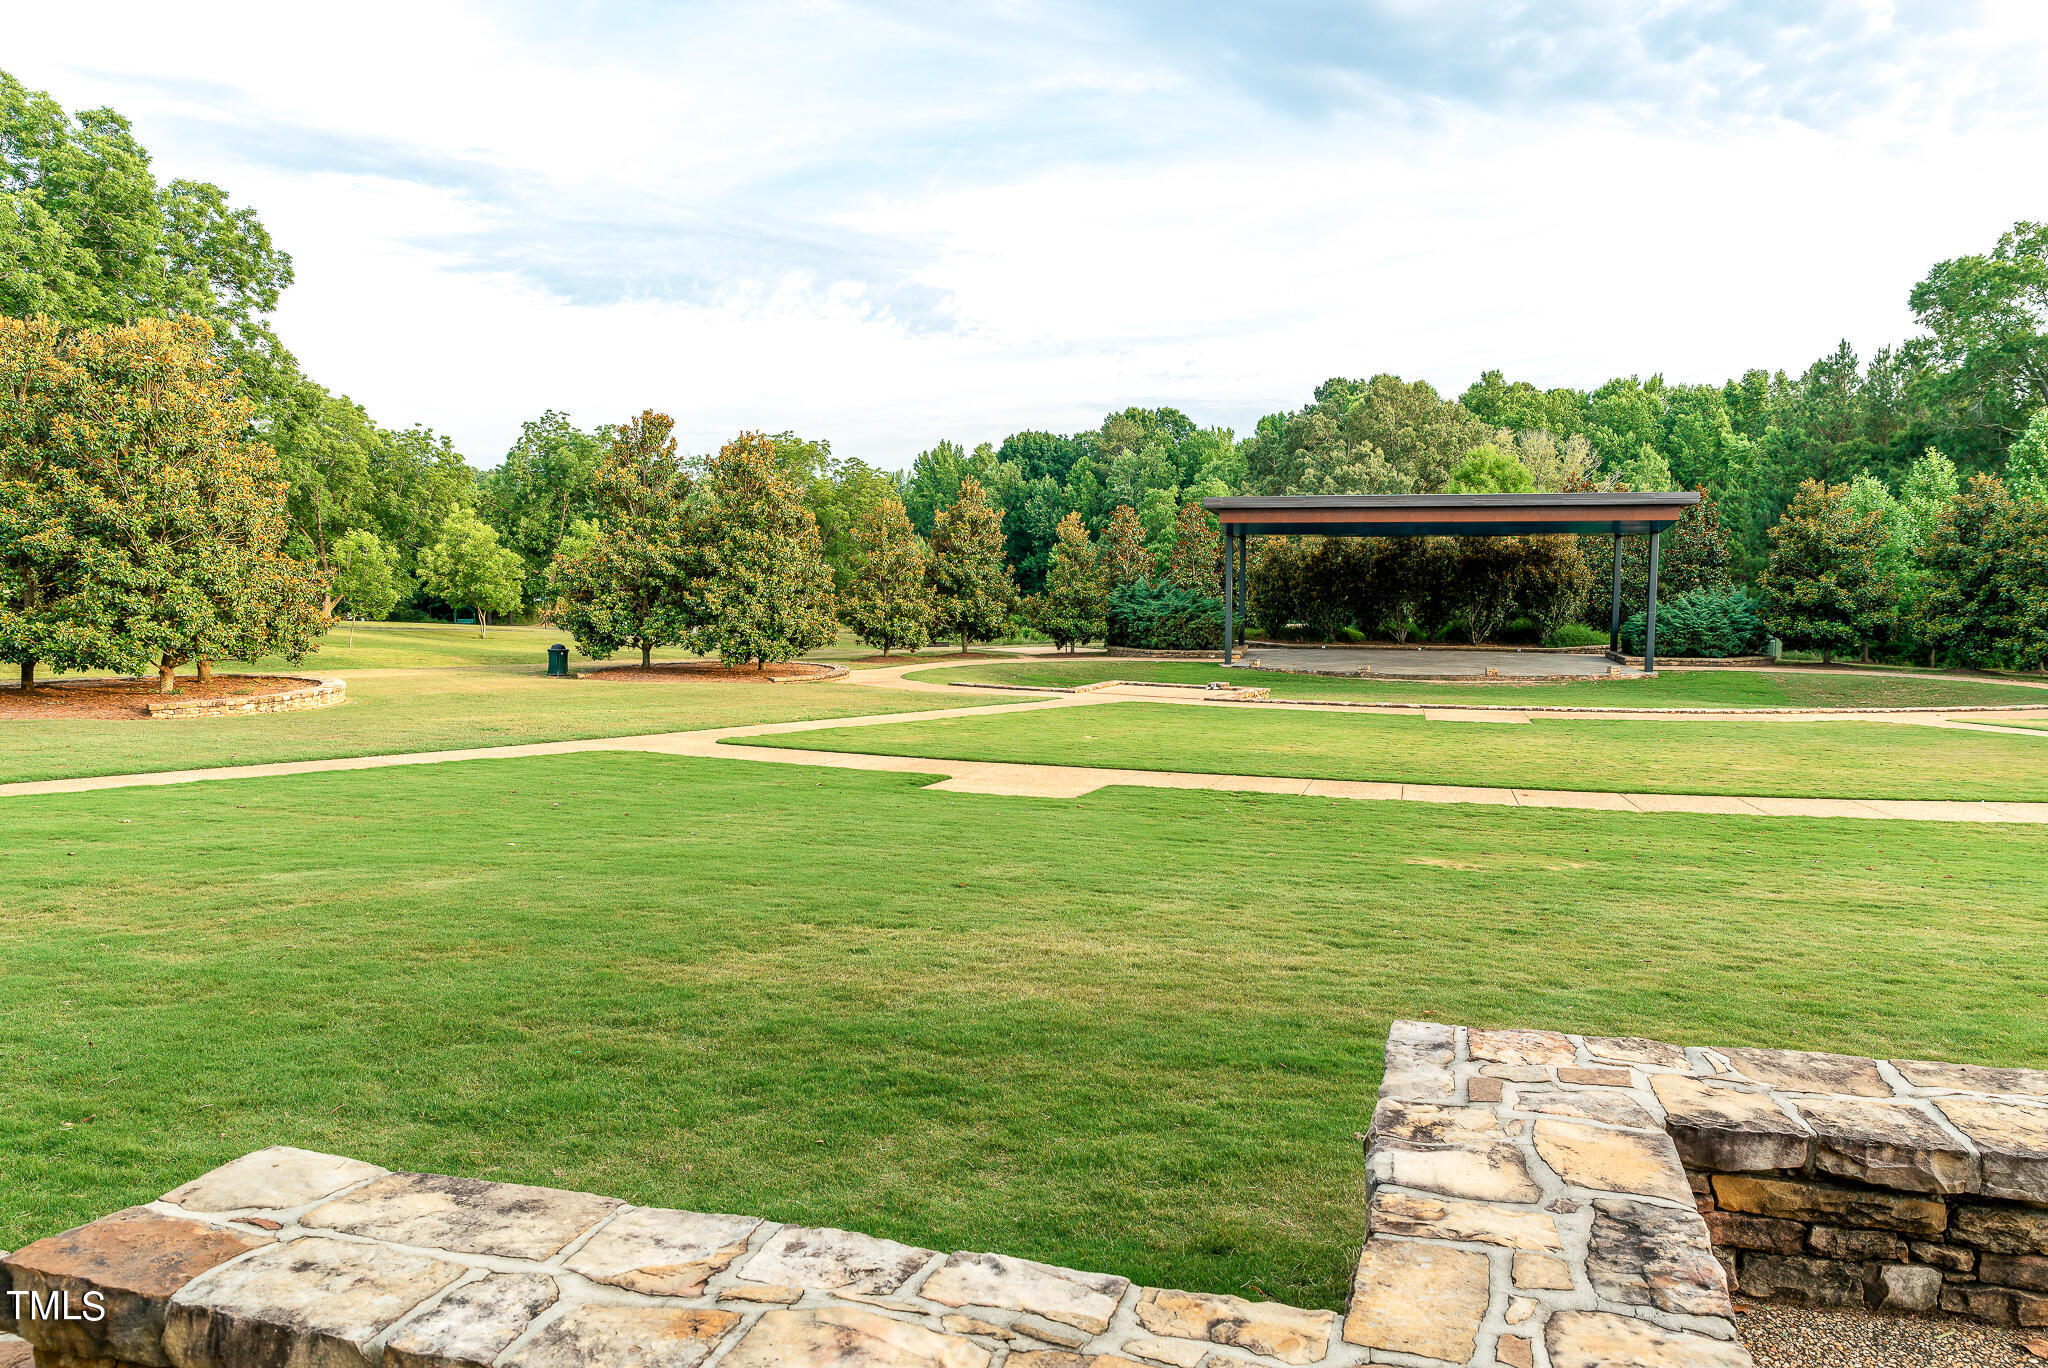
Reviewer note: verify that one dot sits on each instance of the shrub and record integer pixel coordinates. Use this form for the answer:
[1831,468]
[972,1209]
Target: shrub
[1701,622]
[1574,634]
[1160,617]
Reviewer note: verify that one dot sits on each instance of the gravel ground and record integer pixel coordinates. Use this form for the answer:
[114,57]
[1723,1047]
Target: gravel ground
[1817,1337]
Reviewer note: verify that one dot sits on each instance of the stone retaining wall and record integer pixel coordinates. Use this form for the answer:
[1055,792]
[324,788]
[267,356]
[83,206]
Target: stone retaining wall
[1536,1200]
[311,693]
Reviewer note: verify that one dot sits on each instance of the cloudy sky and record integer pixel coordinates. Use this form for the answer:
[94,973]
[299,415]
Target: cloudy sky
[888,223]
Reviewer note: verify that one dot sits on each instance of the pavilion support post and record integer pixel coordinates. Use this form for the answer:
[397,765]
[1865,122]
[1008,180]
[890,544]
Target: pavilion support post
[1244,589]
[1229,593]
[1650,617]
[1614,612]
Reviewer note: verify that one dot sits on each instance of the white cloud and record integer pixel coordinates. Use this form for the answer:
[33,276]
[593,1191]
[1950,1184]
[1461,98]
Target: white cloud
[887,227]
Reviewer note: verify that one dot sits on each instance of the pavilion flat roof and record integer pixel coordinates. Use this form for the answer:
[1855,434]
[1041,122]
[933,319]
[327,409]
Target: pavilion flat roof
[1450,515]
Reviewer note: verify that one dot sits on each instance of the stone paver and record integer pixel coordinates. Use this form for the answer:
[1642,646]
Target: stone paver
[134,1260]
[835,1261]
[1886,1144]
[1267,1328]
[1602,1160]
[463,1215]
[850,1337]
[661,1252]
[274,1179]
[1726,1127]
[327,1298]
[1414,1297]
[1600,1339]
[624,1337]
[474,1323]
[1083,1300]
[2013,1141]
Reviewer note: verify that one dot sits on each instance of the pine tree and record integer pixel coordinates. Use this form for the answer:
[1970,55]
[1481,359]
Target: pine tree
[888,599]
[1825,586]
[972,583]
[765,590]
[1072,608]
[1121,553]
[628,584]
[1197,552]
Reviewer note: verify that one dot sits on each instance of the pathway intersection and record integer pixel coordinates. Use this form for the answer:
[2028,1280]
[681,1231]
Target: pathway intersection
[1069,781]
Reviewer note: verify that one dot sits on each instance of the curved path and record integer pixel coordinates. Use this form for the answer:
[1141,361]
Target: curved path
[1070,781]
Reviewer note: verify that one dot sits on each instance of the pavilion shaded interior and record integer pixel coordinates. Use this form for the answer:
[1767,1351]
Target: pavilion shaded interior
[1595,513]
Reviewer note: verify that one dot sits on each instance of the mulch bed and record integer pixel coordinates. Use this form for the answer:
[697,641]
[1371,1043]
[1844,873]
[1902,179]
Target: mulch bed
[1781,1336]
[928,657]
[710,669]
[129,698]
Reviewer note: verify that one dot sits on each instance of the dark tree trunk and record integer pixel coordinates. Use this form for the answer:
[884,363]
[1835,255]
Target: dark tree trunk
[205,670]
[28,675]
[167,676]
[646,655]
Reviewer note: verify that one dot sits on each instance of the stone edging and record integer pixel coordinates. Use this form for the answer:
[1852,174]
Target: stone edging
[316,692]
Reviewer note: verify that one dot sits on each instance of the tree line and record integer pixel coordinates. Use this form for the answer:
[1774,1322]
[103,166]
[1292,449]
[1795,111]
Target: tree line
[1888,506]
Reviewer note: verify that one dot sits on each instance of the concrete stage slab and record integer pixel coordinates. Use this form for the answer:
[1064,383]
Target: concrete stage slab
[1396,662]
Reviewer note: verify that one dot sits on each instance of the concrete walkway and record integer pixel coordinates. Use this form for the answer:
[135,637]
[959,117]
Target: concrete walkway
[1071,781]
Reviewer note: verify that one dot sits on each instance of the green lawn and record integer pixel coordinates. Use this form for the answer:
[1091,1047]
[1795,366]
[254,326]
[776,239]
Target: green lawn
[1671,689]
[1136,1031]
[1778,759]
[413,688]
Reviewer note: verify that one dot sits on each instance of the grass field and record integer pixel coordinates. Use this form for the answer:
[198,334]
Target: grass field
[1778,759]
[1135,1031]
[1671,689]
[431,688]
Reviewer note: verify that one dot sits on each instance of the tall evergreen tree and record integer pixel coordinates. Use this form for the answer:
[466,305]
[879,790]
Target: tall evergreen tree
[765,590]
[1825,587]
[1071,611]
[888,599]
[1122,553]
[1197,552]
[968,576]
[629,584]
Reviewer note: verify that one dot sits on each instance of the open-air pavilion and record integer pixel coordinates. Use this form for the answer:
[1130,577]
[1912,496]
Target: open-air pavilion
[1589,514]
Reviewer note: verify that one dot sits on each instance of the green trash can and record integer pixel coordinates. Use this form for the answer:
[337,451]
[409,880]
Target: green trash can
[558,661]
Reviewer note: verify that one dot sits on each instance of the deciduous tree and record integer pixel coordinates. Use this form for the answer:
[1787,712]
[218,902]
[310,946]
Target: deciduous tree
[366,577]
[888,599]
[467,567]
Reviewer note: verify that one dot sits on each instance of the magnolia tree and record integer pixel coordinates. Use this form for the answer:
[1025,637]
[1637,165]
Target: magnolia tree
[624,583]
[1826,587]
[1197,552]
[968,574]
[764,587]
[139,525]
[1074,606]
[1122,554]
[887,601]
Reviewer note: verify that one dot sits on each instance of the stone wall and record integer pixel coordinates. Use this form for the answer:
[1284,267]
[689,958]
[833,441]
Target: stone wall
[310,693]
[1536,1200]
[1846,1182]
